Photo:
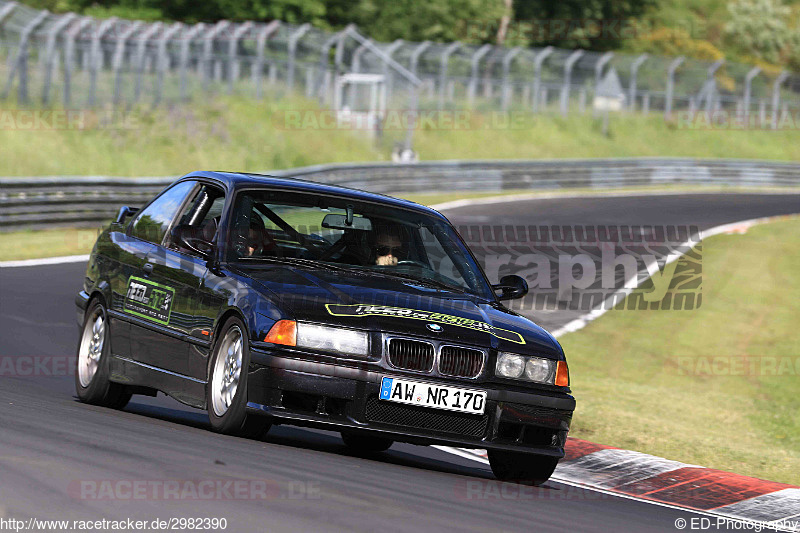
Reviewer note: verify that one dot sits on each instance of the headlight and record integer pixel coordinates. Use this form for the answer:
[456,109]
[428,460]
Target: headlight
[323,338]
[535,369]
[510,365]
[328,339]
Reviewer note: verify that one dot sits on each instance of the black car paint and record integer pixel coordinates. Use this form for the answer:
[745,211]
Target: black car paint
[174,358]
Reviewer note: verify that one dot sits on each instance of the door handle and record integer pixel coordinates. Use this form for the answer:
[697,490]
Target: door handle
[148,268]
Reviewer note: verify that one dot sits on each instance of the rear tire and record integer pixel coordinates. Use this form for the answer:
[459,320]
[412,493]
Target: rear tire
[226,393]
[364,443]
[521,467]
[91,372]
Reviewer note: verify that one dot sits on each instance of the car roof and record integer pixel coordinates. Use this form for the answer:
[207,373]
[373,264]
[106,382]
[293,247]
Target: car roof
[238,180]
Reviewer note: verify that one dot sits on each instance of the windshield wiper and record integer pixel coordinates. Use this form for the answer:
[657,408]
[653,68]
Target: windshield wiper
[422,281]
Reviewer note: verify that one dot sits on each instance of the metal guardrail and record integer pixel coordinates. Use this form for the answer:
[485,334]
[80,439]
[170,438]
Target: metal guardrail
[46,202]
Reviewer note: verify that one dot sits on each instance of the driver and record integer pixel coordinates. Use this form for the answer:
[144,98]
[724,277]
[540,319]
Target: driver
[390,246]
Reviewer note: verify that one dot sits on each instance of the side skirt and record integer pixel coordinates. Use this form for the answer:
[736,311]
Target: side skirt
[185,389]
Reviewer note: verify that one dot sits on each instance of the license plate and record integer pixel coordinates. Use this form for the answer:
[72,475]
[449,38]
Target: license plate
[430,395]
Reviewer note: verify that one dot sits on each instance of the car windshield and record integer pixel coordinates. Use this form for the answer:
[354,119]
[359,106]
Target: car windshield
[342,233]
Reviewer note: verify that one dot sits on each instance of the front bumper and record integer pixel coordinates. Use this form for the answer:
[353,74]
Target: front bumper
[345,398]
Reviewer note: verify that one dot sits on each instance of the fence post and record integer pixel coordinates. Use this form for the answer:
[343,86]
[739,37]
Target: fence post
[119,57]
[776,97]
[355,61]
[712,84]
[598,73]
[573,57]
[261,43]
[444,60]
[208,45]
[538,61]
[508,57]
[473,72]
[748,84]
[96,57]
[324,62]
[186,44]
[415,55]
[162,61]
[141,54]
[632,87]
[50,50]
[233,63]
[6,11]
[387,75]
[292,50]
[673,66]
[20,63]
[69,53]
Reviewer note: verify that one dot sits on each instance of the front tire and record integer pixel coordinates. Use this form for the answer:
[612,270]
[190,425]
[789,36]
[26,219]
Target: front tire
[226,393]
[91,373]
[521,467]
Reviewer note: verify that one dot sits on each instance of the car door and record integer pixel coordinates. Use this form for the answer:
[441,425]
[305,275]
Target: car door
[158,293]
[186,268]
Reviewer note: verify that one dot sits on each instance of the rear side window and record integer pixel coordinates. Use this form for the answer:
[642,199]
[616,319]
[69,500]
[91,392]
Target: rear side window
[152,224]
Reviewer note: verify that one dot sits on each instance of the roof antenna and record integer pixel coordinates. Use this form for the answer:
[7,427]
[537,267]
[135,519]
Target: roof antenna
[349,220]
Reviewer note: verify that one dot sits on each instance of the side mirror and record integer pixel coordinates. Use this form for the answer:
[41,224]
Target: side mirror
[125,212]
[191,238]
[513,287]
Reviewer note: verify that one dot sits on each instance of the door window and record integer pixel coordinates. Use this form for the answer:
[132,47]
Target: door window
[152,224]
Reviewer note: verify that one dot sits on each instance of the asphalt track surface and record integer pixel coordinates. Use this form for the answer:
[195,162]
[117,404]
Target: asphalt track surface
[52,446]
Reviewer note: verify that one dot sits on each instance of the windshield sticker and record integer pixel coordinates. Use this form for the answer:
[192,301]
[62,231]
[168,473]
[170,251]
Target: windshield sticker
[414,314]
[149,300]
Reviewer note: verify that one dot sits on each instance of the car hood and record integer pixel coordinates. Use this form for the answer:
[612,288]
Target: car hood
[383,303]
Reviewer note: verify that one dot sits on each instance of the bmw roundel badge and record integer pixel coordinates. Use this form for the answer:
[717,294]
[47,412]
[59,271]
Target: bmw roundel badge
[435,327]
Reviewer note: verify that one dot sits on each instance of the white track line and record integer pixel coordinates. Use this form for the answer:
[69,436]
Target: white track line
[45,261]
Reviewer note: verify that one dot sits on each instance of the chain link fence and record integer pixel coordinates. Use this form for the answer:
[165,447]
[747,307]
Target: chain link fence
[79,62]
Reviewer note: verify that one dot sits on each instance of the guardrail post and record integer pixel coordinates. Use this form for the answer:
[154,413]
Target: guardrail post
[186,45]
[598,73]
[565,88]
[261,43]
[632,87]
[69,53]
[444,61]
[141,54]
[538,61]
[748,84]
[162,61]
[508,57]
[233,63]
[119,56]
[96,56]
[50,51]
[291,48]
[673,66]
[776,96]
[473,72]
[20,64]
[208,46]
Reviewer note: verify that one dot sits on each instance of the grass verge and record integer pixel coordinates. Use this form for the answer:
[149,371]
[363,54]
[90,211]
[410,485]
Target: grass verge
[235,133]
[717,386]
